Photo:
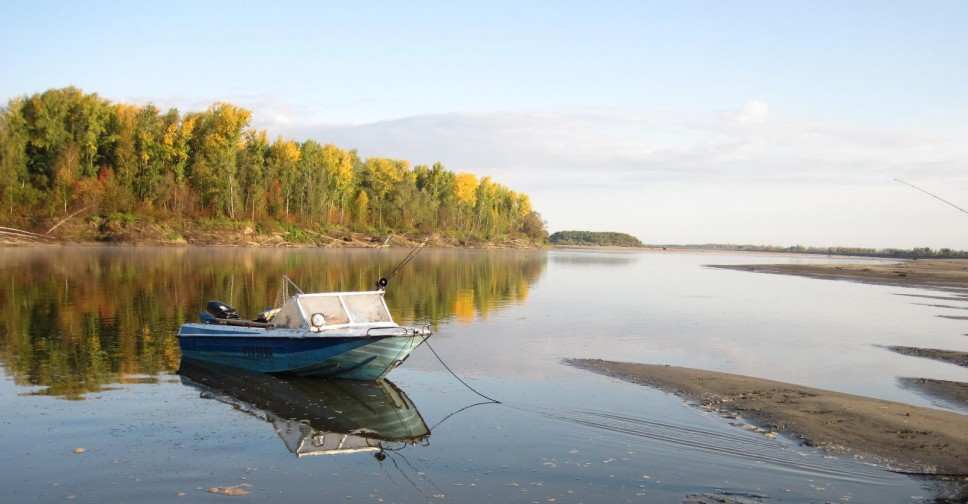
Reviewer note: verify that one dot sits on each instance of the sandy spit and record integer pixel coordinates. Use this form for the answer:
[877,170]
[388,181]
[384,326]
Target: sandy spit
[937,273]
[909,439]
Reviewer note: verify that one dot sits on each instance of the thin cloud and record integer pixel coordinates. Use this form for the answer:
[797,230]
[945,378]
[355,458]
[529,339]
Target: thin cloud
[547,150]
[528,150]
[753,112]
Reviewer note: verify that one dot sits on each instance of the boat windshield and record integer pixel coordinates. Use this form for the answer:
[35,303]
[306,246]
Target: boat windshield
[344,308]
[366,308]
[329,306]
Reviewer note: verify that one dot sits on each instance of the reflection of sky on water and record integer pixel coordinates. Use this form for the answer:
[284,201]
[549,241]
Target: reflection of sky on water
[670,309]
[583,258]
[562,434]
[584,439]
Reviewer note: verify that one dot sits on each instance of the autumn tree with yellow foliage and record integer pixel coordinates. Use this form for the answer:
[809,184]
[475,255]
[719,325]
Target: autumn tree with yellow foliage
[63,151]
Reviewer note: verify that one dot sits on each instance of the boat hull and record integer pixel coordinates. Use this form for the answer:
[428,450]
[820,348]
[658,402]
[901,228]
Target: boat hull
[352,357]
[314,416]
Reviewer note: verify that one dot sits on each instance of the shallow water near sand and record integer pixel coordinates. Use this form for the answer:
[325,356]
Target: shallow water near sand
[97,411]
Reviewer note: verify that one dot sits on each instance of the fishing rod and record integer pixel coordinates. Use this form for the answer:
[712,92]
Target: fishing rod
[383,281]
[932,195]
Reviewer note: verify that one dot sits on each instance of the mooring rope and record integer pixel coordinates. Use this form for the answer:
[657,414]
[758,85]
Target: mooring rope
[427,342]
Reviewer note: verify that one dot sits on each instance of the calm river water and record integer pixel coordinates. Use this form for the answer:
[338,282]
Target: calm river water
[96,410]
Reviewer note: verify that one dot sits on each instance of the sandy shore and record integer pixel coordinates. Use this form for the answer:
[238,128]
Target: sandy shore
[937,273]
[919,441]
[909,439]
[944,274]
[950,356]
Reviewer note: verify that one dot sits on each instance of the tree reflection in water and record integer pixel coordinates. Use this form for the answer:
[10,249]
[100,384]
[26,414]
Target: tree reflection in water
[75,320]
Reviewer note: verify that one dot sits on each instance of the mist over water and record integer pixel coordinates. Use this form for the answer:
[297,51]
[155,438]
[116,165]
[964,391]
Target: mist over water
[100,413]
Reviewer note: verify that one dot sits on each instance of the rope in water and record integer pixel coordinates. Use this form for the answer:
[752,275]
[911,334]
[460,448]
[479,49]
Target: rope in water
[427,342]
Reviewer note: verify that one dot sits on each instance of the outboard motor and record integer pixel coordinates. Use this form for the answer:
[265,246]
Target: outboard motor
[220,310]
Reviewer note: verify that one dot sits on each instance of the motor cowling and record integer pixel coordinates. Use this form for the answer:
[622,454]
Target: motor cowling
[220,310]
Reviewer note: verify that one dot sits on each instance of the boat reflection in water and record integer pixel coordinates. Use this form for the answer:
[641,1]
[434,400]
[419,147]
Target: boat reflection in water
[315,416]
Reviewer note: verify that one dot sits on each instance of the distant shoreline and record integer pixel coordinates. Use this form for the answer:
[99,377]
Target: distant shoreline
[152,235]
[684,250]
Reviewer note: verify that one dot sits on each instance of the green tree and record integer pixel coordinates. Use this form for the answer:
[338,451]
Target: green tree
[53,120]
[485,208]
[215,149]
[379,177]
[66,171]
[150,153]
[253,172]
[408,202]
[88,123]
[124,155]
[438,185]
[312,172]
[46,119]
[534,227]
[175,155]
[597,238]
[13,156]
[283,163]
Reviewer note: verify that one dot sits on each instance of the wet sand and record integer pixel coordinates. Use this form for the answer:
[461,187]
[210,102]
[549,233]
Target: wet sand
[952,393]
[908,439]
[949,356]
[918,440]
[944,274]
[936,273]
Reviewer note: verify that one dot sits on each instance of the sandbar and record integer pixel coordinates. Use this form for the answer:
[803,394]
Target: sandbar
[908,439]
[922,442]
[934,273]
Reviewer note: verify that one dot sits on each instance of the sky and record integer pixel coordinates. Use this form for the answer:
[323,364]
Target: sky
[677,121]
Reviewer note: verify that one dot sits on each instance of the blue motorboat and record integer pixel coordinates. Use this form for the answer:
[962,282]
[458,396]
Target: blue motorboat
[316,416]
[348,335]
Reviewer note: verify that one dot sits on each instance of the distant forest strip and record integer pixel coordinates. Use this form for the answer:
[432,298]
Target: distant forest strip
[918,252]
[594,238]
[64,151]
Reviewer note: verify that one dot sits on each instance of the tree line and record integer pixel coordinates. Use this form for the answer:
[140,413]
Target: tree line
[594,238]
[64,150]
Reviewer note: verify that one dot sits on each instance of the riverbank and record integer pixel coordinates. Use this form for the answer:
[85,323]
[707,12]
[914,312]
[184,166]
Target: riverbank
[913,440]
[937,273]
[218,234]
